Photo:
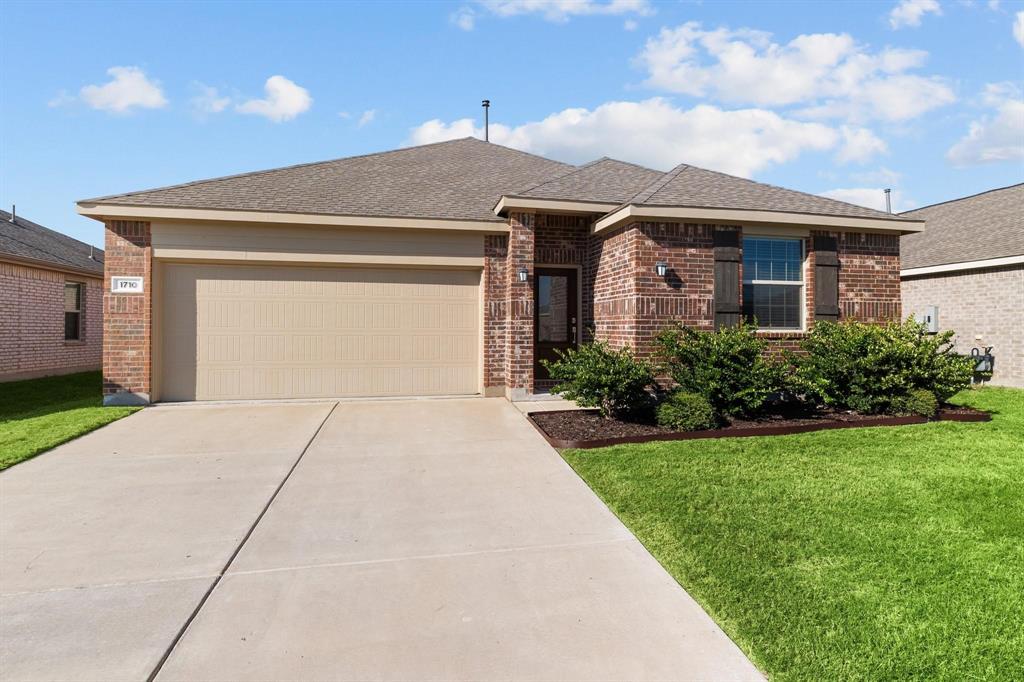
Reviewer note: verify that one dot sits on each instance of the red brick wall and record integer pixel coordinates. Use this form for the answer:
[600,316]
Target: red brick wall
[519,329]
[32,323]
[127,317]
[869,277]
[495,310]
[610,275]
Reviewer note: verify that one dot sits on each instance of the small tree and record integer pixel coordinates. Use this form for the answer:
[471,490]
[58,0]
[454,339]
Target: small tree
[595,375]
[729,367]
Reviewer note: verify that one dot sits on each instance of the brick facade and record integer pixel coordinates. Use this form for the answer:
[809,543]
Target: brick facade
[625,303]
[127,318]
[32,323]
[984,308]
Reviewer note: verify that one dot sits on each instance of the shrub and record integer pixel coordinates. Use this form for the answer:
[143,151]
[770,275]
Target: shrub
[595,375]
[866,367]
[919,401]
[728,367]
[684,411]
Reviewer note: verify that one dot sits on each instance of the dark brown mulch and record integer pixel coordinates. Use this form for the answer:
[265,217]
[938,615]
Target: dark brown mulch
[587,425]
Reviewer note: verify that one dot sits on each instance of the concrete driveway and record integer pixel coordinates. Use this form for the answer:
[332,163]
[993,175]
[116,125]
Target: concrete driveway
[401,540]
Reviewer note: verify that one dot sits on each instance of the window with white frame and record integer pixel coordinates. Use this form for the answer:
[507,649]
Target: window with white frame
[773,282]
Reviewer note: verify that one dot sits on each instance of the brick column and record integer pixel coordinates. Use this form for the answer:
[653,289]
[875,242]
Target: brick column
[519,331]
[127,318]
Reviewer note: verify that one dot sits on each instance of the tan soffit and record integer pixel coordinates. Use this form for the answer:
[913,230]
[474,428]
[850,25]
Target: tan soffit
[110,211]
[741,216]
[507,203]
[967,265]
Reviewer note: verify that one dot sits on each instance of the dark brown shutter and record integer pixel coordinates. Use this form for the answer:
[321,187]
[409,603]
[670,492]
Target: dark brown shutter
[727,278]
[826,279]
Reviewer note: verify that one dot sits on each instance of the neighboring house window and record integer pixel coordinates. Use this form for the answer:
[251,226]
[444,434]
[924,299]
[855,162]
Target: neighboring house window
[773,282]
[72,311]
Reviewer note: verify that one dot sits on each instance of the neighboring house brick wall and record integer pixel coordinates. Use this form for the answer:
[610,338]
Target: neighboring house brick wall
[32,323]
[977,303]
[127,317]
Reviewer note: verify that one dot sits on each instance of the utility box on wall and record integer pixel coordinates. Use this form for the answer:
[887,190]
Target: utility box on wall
[931,319]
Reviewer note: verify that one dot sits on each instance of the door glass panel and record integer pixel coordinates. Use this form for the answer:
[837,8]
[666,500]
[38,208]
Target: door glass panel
[553,308]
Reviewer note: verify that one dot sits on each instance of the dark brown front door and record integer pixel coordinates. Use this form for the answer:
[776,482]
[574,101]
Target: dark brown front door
[555,316]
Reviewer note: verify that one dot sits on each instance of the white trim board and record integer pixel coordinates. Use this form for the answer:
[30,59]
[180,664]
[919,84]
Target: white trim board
[966,265]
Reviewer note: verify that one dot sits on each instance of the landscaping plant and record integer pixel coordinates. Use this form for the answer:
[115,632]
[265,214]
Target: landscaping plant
[919,401]
[683,411]
[595,375]
[729,367]
[872,368]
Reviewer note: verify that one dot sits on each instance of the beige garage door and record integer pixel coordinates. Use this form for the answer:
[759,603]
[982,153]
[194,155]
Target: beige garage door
[236,332]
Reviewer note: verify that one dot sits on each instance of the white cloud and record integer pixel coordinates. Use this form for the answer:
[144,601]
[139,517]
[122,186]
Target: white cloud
[882,176]
[367,117]
[910,12]
[630,24]
[826,73]
[62,98]
[654,133]
[998,136]
[128,89]
[208,100]
[284,101]
[859,145]
[1018,28]
[562,10]
[464,18]
[871,197]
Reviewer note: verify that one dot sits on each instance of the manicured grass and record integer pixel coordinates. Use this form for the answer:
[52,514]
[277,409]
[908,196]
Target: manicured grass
[39,414]
[863,554]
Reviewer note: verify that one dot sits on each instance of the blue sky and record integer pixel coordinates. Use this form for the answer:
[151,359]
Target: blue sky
[840,98]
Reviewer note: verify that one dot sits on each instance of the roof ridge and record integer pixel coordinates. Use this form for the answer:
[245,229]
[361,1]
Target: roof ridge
[653,188]
[630,163]
[572,171]
[969,196]
[266,171]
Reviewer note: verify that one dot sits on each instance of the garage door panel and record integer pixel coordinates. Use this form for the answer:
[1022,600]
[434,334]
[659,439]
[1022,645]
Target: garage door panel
[289,332]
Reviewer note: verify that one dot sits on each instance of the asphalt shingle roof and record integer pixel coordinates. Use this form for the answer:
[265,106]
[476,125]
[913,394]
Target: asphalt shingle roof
[979,227]
[455,180]
[690,186]
[603,180]
[26,239]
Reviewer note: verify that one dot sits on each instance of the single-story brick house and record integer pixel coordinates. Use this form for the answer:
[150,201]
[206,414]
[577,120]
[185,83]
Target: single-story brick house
[970,265]
[51,301]
[452,268]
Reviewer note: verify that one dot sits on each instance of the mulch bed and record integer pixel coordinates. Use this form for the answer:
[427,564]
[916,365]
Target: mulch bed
[587,429]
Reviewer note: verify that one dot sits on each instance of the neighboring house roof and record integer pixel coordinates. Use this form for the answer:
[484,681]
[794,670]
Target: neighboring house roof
[603,180]
[455,180]
[687,185]
[979,227]
[26,240]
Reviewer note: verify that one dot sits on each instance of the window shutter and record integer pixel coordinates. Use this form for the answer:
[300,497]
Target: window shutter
[727,277]
[826,279]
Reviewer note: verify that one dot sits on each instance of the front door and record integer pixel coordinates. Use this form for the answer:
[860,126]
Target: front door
[555,318]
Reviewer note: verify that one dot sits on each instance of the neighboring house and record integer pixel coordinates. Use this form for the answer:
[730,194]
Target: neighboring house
[970,264]
[51,302]
[452,268]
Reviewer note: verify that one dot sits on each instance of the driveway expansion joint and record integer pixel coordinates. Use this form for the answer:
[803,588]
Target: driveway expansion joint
[202,602]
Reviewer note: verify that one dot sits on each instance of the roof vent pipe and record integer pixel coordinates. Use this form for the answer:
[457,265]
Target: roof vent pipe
[888,200]
[486,104]
[14,217]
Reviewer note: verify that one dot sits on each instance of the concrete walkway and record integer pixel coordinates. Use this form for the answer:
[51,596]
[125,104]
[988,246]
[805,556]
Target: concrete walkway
[421,539]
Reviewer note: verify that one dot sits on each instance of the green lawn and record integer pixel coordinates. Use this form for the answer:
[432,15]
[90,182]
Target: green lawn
[861,554]
[39,414]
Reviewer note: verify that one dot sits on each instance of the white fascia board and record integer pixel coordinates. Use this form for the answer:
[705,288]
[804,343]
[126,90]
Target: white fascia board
[966,265]
[105,211]
[743,216]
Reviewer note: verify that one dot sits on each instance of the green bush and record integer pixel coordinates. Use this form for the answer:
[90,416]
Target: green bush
[729,367]
[595,375]
[919,401]
[684,411]
[866,367]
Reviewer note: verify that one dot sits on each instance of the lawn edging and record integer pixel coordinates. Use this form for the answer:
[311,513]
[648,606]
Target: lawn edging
[783,430]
